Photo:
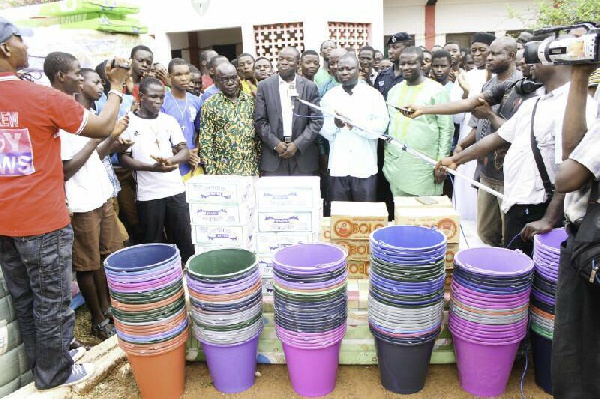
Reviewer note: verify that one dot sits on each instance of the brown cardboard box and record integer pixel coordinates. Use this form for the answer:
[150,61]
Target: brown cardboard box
[325,230]
[445,219]
[356,249]
[450,252]
[422,202]
[358,269]
[357,220]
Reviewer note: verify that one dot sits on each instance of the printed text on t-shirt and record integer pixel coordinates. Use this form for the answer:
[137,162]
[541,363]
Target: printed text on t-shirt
[16,152]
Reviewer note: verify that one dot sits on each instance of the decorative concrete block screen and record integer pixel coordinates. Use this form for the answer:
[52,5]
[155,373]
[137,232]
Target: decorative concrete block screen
[350,34]
[270,39]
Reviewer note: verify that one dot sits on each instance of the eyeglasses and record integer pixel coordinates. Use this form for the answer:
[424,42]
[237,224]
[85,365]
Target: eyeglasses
[227,79]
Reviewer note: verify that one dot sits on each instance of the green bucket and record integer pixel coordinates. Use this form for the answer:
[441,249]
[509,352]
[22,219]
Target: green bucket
[221,264]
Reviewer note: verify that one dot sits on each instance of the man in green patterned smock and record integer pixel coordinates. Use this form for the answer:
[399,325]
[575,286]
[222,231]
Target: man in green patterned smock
[227,140]
[408,175]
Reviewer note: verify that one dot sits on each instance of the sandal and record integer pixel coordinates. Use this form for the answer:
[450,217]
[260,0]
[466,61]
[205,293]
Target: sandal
[109,315]
[103,330]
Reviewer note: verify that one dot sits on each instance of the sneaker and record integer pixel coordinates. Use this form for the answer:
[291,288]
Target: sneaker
[77,353]
[79,373]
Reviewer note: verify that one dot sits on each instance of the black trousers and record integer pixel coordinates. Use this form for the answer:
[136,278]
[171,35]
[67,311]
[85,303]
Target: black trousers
[288,167]
[576,343]
[168,217]
[348,188]
[515,219]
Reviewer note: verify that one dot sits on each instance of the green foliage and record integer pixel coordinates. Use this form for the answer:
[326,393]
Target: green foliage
[567,12]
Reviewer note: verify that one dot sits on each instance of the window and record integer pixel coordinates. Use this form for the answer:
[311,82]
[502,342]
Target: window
[350,34]
[270,39]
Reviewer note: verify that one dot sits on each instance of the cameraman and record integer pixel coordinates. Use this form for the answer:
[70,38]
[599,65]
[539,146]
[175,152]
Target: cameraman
[575,347]
[528,204]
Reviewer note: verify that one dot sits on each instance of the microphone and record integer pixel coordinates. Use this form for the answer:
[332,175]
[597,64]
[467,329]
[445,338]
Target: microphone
[293,93]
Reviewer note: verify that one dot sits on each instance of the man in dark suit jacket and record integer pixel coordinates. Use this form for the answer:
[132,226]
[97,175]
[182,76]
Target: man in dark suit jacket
[287,128]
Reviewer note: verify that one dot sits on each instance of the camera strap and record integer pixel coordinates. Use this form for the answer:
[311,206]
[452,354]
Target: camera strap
[537,155]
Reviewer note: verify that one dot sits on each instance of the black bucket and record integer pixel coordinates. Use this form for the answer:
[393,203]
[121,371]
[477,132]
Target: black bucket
[542,361]
[403,368]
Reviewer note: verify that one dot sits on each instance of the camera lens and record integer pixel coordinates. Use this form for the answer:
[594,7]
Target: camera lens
[530,54]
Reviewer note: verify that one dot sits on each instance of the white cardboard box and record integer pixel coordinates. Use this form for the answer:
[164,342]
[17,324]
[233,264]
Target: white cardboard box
[302,192]
[231,236]
[265,265]
[220,214]
[221,189]
[282,221]
[205,248]
[268,243]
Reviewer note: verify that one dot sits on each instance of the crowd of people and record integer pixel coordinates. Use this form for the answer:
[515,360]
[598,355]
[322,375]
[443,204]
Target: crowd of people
[130,133]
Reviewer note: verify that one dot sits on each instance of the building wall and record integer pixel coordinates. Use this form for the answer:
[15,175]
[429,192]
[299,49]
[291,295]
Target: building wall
[456,16]
[180,16]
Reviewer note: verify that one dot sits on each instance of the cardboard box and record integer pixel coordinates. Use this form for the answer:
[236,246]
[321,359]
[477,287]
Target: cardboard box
[446,220]
[265,265]
[205,248]
[282,221]
[450,253]
[267,287]
[423,202]
[269,243]
[358,269]
[220,214]
[299,192]
[232,236]
[357,220]
[357,249]
[325,230]
[221,189]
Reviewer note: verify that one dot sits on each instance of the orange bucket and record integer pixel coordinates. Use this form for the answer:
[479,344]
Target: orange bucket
[160,376]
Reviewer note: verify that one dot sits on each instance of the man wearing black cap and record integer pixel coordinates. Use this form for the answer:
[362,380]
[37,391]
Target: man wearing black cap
[36,237]
[393,75]
[384,82]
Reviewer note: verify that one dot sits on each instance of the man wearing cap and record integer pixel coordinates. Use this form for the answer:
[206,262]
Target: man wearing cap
[393,75]
[387,79]
[36,237]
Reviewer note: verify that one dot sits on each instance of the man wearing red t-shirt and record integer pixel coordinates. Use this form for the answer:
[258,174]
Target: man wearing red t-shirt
[35,235]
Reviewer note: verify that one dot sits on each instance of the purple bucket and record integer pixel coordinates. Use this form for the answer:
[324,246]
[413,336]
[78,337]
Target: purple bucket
[551,241]
[493,261]
[313,372]
[483,370]
[302,259]
[232,368]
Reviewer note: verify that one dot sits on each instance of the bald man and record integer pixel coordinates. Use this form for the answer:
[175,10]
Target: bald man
[334,58]
[227,141]
[287,128]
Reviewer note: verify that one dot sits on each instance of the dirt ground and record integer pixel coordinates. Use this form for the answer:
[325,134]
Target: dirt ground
[273,382]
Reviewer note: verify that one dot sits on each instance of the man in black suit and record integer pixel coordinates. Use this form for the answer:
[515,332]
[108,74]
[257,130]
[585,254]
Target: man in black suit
[287,127]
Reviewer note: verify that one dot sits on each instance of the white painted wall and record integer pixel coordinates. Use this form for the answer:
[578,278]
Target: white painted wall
[456,16]
[314,14]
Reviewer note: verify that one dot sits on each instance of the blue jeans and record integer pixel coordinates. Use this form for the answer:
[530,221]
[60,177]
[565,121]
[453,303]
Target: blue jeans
[37,270]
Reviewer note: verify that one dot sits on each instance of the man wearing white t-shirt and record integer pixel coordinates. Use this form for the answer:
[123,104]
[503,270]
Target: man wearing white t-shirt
[159,147]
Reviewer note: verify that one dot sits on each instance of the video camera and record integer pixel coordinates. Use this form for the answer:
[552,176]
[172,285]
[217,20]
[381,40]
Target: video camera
[564,51]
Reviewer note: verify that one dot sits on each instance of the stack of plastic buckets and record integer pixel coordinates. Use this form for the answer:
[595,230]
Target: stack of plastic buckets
[225,290]
[546,258]
[311,308]
[406,302]
[148,303]
[488,315]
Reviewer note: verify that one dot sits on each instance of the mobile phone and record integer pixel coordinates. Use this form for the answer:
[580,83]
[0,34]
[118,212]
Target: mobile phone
[426,200]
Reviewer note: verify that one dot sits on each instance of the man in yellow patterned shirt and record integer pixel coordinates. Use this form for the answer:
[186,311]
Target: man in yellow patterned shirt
[227,140]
